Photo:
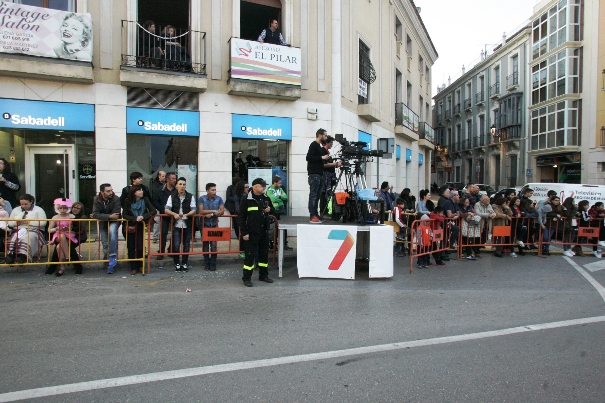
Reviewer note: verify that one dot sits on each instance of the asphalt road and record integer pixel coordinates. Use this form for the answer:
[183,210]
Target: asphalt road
[495,330]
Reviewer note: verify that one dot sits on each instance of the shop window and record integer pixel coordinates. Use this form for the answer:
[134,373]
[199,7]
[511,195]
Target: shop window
[149,154]
[264,155]
[256,15]
[65,5]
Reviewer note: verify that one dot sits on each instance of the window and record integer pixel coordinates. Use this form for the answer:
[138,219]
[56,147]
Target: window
[427,73]
[482,128]
[420,109]
[398,35]
[254,16]
[409,95]
[408,49]
[420,64]
[65,5]
[398,86]
[560,24]
[556,76]
[367,74]
[555,125]
[469,129]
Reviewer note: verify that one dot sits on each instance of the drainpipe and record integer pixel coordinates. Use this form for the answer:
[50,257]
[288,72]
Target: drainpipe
[336,68]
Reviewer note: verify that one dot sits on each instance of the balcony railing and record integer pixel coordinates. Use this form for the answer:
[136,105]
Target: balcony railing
[405,117]
[465,145]
[494,90]
[457,109]
[479,97]
[427,132]
[164,49]
[448,114]
[512,80]
[510,133]
[439,117]
[468,103]
[481,140]
[455,147]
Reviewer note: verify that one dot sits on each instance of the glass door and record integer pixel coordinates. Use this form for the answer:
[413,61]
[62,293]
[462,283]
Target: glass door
[50,174]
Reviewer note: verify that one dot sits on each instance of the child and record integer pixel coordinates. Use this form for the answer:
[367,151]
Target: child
[62,232]
[438,218]
[401,220]
[424,238]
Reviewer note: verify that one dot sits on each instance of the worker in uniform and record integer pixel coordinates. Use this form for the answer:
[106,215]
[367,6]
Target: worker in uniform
[253,220]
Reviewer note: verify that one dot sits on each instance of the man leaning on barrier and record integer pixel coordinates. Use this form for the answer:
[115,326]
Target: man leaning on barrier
[160,198]
[106,208]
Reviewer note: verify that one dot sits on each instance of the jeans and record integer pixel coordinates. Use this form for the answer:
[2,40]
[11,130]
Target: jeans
[113,238]
[209,247]
[547,234]
[179,234]
[315,188]
[156,227]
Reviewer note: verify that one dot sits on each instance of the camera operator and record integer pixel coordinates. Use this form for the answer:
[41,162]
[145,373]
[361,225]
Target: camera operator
[329,175]
[315,169]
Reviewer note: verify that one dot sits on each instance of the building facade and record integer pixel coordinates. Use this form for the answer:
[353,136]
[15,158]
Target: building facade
[537,106]
[199,95]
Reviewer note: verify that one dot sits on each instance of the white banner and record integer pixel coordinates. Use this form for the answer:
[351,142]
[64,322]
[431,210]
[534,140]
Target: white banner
[257,61]
[326,251]
[381,251]
[38,31]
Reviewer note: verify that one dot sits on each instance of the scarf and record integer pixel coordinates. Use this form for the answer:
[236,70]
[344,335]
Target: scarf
[138,208]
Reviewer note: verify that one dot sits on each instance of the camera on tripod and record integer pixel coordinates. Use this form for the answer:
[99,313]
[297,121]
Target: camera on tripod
[355,150]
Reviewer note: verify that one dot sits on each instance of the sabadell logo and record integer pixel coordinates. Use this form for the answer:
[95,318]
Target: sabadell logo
[34,121]
[261,132]
[163,127]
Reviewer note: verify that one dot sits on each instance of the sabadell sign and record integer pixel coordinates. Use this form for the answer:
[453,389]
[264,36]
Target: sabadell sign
[161,121]
[23,114]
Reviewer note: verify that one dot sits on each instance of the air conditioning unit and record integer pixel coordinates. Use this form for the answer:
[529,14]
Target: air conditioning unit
[398,46]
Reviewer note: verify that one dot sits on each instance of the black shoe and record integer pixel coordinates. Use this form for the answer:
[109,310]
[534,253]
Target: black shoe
[78,269]
[21,259]
[445,259]
[212,266]
[520,252]
[50,270]
[10,259]
[286,247]
[498,254]
[547,253]
[265,279]
[248,283]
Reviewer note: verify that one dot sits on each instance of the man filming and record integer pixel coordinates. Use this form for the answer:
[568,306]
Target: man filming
[315,170]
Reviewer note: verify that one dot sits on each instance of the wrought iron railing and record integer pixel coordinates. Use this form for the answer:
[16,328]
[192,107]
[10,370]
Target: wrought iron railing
[427,132]
[494,90]
[457,109]
[405,117]
[448,113]
[480,97]
[163,48]
[512,80]
[468,103]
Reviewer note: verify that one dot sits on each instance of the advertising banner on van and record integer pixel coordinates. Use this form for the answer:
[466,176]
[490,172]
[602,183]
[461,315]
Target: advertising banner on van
[162,121]
[40,115]
[38,31]
[592,193]
[257,61]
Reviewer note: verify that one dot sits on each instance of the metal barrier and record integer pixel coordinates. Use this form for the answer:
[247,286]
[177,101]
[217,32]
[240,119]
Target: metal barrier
[218,233]
[33,243]
[427,238]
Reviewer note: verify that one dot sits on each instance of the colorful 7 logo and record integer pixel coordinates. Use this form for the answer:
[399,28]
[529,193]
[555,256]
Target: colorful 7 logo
[343,251]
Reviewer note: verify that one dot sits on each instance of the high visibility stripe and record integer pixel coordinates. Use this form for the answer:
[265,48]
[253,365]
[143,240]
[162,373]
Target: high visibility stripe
[252,208]
[249,267]
[263,264]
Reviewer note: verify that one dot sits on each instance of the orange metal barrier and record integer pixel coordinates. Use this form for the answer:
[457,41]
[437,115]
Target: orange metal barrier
[427,238]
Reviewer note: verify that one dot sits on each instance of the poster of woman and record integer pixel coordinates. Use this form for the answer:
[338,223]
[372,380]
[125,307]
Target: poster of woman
[45,32]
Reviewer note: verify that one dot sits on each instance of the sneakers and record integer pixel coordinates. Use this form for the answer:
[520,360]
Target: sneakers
[112,262]
[177,268]
[568,253]
[601,243]
[184,268]
[597,254]
[521,244]
[110,270]
[454,245]
[513,254]
[315,220]
[286,247]
[242,255]
[471,257]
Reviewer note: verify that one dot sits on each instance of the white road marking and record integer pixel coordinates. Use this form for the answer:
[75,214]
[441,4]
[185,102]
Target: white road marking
[591,280]
[595,266]
[238,366]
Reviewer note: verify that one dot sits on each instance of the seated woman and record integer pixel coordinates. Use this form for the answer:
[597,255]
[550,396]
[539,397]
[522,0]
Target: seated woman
[136,209]
[5,210]
[67,237]
[177,56]
[150,53]
[26,237]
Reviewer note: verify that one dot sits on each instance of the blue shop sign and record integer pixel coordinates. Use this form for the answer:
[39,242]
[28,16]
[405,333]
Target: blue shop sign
[40,115]
[162,121]
[420,159]
[408,155]
[366,138]
[398,152]
[261,127]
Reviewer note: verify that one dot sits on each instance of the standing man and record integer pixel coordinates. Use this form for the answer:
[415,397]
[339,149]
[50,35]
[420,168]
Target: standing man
[272,35]
[386,193]
[253,225]
[136,178]
[157,185]
[329,177]
[106,208]
[278,197]
[444,195]
[452,211]
[160,198]
[315,170]
[211,206]
[181,206]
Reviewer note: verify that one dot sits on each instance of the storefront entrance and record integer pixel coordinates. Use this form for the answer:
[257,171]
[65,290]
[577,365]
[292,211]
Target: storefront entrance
[50,174]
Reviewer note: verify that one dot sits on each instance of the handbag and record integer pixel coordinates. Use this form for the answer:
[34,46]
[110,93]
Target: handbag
[132,228]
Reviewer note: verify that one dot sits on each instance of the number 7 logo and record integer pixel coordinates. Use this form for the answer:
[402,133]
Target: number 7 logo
[345,248]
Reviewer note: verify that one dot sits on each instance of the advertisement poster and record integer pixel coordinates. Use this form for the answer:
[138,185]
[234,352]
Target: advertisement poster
[328,251]
[257,61]
[45,32]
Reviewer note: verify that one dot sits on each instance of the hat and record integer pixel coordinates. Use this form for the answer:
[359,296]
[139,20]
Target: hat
[259,181]
[63,202]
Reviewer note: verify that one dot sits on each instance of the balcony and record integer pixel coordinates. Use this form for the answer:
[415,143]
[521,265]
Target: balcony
[480,98]
[167,58]
[426,136]
[494,90]
[439,117]
[406,122]
[510,133]
[468,104]
[448,114]
[478,141]
[512,81]
[457,110]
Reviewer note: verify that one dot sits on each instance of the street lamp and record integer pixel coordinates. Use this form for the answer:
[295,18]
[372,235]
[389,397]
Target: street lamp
[495,135]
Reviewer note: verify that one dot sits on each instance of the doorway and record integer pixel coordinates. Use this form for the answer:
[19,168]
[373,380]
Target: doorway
[50,173]
[164,12]
[255,16]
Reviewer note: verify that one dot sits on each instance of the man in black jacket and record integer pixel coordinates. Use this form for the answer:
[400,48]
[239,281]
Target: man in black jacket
[253,225]
[136,178]
[315,170]
[272,35]
[160,197]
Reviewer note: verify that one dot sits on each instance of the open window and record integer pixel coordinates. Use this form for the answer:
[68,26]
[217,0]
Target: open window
[65,5]
[256,15]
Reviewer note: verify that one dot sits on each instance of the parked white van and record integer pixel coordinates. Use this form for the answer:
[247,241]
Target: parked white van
[592,193]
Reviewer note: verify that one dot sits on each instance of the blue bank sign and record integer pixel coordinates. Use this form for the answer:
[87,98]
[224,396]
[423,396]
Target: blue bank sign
[162,121]
[40,115]
[261,127]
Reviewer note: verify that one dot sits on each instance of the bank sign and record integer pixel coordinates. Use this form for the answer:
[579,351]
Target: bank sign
[261,127]
[257,61]
[162,121]
[22,114]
